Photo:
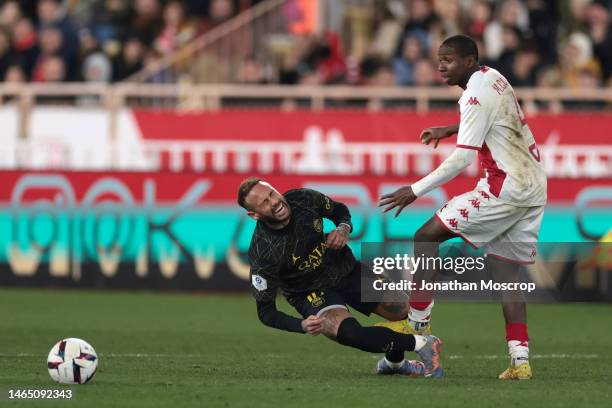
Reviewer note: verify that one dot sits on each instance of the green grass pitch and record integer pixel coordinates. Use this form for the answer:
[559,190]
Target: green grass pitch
[183,350]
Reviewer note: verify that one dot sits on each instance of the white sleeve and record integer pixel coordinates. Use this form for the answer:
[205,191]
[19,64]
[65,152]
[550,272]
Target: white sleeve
[446,171]
[475,120]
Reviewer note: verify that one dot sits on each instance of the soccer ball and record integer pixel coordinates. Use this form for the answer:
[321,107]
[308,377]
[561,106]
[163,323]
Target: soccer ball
[72,361]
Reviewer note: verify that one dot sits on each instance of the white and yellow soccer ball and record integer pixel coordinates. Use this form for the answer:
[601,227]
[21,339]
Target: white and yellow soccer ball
[72,361]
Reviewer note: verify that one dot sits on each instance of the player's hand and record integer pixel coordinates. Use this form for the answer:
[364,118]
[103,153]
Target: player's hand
[434,133]
[312,325]
[400,198]
[338,237]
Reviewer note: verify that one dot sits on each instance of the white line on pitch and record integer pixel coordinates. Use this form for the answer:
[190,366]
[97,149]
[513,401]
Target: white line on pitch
[451,356]
[532,356]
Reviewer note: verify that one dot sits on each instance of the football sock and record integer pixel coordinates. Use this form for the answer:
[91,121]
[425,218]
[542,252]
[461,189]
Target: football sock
[395,358]
[394,365]
[373,339]
[419,342]
[420,311]
[518,343]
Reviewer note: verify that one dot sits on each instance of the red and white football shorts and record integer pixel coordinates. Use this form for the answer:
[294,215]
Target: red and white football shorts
[506,231]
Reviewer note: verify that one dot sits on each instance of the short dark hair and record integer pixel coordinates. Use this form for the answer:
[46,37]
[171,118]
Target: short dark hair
[463,45]
[244,189]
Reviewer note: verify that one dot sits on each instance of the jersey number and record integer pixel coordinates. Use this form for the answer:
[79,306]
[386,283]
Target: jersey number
[533,149]
[520,113]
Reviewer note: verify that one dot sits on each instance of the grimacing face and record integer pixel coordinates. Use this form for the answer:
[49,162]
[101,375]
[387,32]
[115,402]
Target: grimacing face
[267,204]
[453,68]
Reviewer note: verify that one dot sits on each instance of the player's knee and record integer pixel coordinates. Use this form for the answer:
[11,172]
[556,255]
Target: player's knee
[423,235]
[396,317]
[332,319]
[432,231]
[349,332]
[392,311]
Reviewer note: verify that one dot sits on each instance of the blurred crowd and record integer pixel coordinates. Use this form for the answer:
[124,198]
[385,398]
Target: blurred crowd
[364,42]
[532,42]
[99,40]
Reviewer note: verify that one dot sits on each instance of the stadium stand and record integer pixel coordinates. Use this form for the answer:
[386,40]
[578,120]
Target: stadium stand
[358,42]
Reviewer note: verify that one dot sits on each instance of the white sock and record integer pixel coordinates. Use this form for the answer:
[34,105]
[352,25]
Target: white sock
[419,342]
[519,352]
[421,316]
[394,365]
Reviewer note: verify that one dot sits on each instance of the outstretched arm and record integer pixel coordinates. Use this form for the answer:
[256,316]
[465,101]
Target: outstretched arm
[449,169]
[477,109]
[270,316]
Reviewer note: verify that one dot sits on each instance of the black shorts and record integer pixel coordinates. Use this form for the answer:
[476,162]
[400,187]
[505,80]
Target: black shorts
[346,293]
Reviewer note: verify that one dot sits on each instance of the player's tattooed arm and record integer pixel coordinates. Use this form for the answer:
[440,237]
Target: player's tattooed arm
[338,237]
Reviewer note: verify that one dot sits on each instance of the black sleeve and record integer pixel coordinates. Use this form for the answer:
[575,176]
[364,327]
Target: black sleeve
[265,269]
[270,316]
[341,215]
[333,210]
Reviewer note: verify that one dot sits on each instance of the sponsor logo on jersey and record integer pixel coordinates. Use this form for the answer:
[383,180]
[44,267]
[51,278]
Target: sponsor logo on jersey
[316,300]
[313,260]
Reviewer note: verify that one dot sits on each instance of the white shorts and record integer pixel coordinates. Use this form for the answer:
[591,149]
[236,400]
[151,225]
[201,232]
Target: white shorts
[506,231]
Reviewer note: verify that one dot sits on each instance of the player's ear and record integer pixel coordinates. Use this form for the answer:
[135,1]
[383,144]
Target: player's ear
[472,61]
[253,215]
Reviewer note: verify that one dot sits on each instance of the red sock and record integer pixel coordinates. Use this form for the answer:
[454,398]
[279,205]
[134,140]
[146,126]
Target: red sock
[420,299]
[517,332]
[419,305]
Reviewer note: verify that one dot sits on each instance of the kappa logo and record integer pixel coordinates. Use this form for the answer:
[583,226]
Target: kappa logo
[317,225]
[316,300]
[464,213]
[475,203]
[473,101]
[533,252]
[453,222]
[485,195]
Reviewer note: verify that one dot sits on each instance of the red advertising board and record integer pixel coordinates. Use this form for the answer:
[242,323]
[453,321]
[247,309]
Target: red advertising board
[355,126]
